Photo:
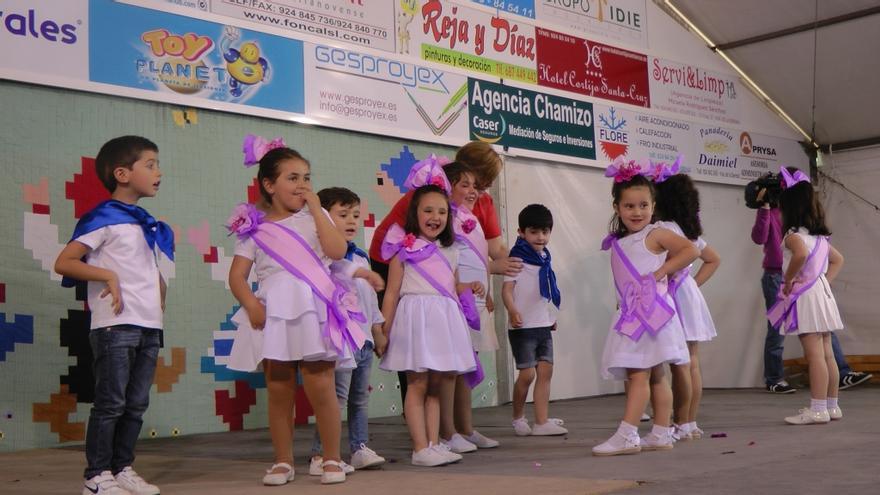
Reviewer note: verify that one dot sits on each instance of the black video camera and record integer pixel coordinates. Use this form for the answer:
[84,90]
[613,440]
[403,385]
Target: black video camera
[769,181]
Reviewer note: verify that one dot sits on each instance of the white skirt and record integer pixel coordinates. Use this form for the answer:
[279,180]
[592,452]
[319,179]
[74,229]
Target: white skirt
[693,312]
[294,320]
[429,332]
[622,353]
[817,309]
[485,340]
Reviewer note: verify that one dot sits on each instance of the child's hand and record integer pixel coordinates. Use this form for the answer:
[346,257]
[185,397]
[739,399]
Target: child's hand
[553,327]
[490,303]
[660,274]
[380,342]
[786,289]
[312,200]
[257,316]
[115,294]
[478,289]
[375,281]
[515,319]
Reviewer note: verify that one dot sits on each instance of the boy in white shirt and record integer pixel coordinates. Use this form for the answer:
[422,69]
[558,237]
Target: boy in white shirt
[532,301]
[115,247]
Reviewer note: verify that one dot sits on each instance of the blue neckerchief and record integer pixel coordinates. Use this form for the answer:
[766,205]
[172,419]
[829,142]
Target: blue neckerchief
[546,277]
[354,250]
[112,212]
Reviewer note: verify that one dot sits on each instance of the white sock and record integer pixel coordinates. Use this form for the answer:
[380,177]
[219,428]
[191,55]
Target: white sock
[661,431]
[832,402]
[818,405]
[692,426]
[627,429]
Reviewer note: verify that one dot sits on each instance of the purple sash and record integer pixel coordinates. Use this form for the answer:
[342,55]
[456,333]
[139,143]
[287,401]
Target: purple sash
[424,257]
[295,255]
[642,307]
[784,311]
[468,231]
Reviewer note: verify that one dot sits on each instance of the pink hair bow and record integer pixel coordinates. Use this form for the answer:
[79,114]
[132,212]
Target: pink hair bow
[429,171]
[623,171]
[660,171]
[255,147]
[790,179]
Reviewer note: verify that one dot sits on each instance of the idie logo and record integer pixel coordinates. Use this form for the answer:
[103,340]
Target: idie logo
[29,25]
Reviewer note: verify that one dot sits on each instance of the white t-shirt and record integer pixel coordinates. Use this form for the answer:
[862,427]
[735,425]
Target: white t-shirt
[535,310]
[123,249]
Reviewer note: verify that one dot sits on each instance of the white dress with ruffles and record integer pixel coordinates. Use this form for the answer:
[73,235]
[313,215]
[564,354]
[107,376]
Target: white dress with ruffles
[817,309]
[667,346]
[295,318]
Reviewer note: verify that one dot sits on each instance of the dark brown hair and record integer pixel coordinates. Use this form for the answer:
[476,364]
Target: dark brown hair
[679,201]
[120,152]
[338,196]
[801,208]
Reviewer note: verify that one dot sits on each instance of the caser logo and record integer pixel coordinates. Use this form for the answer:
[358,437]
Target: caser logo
[29,25]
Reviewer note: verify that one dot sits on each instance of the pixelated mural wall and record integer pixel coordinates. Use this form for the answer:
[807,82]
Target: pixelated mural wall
[49,139]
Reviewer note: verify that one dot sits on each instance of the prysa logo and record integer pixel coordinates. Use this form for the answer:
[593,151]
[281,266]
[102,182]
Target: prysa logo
[613,138]
[32,25]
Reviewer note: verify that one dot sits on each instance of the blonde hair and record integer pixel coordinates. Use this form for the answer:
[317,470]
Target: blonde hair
[483,161]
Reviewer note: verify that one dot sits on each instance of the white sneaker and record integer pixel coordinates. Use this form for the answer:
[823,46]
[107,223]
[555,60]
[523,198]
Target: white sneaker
[645,417]
[550,428]
[278,479]
[521,427]
[365,457]
[446,452]
[835,413]
[809,417]
[481,441]
[458,444]
[429,456]
[557,421]
[618,445]
[103,484]
[316,466]
[130,481]
[653,441]
[697,433]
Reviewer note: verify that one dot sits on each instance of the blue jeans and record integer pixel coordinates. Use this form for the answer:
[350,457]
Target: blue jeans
[124,364]
[353,389]
[773,343]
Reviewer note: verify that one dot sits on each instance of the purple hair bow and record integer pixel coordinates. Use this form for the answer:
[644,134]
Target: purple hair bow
[255,147]
[623,171]
[660,171]
[790,179]
[429,172]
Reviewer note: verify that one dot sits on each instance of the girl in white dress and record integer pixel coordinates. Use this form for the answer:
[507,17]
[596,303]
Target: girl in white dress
[806,305]
[289,323]
[645,334]
[678,209]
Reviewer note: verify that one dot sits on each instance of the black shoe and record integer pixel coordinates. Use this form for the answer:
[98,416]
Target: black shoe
[781,388]
[854,378]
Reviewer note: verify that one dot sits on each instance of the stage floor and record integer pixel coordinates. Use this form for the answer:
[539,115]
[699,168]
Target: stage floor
[759,455]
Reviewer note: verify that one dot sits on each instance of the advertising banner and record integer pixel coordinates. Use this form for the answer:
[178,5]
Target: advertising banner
[593,69]
[366,92]
[520,118]
[617,20]
[694,92]
[147,49]
[42,37]
[472,40]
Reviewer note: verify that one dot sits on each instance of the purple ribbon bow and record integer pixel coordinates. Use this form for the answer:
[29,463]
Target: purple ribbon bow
[429,171]
[789,179]
[255,147]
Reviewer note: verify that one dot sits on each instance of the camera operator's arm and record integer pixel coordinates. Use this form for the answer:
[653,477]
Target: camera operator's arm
[761,229]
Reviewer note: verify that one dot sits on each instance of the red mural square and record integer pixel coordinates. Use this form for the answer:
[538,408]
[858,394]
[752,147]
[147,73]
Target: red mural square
[592,69]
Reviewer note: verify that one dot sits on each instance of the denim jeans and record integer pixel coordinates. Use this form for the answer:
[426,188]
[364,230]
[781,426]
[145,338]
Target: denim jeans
[124,364]
[773,343]
[353,389]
